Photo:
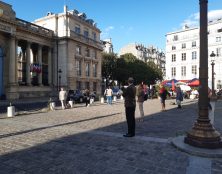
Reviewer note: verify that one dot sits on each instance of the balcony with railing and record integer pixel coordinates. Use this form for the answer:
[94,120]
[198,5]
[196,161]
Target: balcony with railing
[33,27]
[86,40]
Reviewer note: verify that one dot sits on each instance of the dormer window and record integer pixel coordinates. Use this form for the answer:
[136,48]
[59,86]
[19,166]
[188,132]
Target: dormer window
[175,38]
[77,29]
[86,33]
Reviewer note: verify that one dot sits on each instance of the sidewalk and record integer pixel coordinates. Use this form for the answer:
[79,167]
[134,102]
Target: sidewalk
[89,140]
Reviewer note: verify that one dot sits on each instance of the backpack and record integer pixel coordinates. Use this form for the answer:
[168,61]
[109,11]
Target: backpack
[145,97]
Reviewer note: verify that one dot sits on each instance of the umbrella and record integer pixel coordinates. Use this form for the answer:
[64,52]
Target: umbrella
[171,82]
[193,82]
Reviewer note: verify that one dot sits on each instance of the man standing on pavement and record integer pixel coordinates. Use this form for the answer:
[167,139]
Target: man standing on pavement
[129,95]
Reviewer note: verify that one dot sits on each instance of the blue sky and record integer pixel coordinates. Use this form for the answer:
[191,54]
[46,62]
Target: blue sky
[125,21]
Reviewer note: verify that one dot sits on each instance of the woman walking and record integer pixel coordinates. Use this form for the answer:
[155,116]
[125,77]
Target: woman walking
[140,99]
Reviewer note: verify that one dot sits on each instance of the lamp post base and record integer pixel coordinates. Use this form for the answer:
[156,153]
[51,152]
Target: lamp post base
[203,136]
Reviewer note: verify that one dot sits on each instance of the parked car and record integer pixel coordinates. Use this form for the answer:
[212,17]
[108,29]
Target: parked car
[117,92]
[76,96]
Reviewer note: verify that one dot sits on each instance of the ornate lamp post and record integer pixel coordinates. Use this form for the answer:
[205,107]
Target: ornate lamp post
[212,55]
[59,72]
[203,133]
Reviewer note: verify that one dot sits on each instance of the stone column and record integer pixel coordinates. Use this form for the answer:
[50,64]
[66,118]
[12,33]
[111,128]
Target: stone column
[49,66]
[12,62]
[40,63]
[28,63]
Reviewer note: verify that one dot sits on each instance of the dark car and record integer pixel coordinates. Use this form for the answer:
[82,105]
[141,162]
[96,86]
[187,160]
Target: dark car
[76,95]
[117,92]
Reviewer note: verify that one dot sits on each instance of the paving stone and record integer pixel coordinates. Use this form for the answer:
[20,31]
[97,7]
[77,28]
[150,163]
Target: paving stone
[89,140]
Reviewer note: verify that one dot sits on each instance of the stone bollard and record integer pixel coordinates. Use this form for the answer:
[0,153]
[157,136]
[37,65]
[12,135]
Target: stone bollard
[102,99]
[11,111]
[52,106]
[114,98]
[71,103]
[91,100]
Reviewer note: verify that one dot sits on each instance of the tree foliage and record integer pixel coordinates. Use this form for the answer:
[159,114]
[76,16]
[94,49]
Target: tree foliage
[128,65]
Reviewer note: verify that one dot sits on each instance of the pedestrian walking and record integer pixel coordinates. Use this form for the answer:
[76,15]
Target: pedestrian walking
[87,98]
[163,95]
[140,99]
[109,94]
[179,97]
[129,95]
[62,97]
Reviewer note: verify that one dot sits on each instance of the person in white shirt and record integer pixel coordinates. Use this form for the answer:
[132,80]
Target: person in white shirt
[62,97]
[109,94]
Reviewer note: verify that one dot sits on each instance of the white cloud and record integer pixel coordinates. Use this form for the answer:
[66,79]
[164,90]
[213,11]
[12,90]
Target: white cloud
[106,33]
[193,20]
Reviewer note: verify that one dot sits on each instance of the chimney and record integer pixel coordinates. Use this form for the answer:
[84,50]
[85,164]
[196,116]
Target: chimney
[65,8]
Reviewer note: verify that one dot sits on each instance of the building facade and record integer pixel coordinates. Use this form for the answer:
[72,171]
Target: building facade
[57,50]
[79,49]
[107,46]
[26,53]
[146,54]
[182,53]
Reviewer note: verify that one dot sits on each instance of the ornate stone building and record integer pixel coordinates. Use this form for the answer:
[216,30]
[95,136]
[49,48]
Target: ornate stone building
[146,54]
[35,60]
[79,49]
[23,45]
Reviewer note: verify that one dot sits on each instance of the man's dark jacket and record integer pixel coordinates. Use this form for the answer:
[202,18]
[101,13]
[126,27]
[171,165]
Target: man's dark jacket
[129,95]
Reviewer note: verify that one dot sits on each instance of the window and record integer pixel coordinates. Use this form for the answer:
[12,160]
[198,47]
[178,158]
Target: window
[87,53]
[173,71]
[94,35]
[218,39]
[218,50]
[183,45]
[78,68]
[93,54]
[94,70]
[87,70]
[87,85]
[194,55]
[183,56]
[77,29]
[94,86]
[194,44]
[173,47]
[183,71]
[173,57]
[78,50]
[78,85]
[194,69]
[86,33]
[219,30]
[175,38]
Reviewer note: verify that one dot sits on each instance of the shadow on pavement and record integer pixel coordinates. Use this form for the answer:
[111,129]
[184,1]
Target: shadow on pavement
[87,152]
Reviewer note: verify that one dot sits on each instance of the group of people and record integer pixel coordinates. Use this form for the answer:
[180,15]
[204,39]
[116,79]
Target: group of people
[63,97]
[133,94]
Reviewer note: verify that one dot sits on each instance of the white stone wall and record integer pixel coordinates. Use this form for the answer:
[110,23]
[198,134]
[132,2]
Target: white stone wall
[187,36]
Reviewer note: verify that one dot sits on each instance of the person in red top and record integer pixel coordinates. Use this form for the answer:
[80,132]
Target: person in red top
[163,95]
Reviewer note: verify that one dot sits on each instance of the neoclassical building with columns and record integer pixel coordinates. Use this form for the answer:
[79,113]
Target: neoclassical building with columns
[38,58]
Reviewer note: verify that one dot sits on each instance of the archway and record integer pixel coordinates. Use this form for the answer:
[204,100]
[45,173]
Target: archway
[1,74]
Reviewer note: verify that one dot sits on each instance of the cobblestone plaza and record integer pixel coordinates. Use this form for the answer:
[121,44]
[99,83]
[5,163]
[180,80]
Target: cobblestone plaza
[89,140]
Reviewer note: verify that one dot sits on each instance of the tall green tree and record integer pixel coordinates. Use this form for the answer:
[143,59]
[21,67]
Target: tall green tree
[108,65]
